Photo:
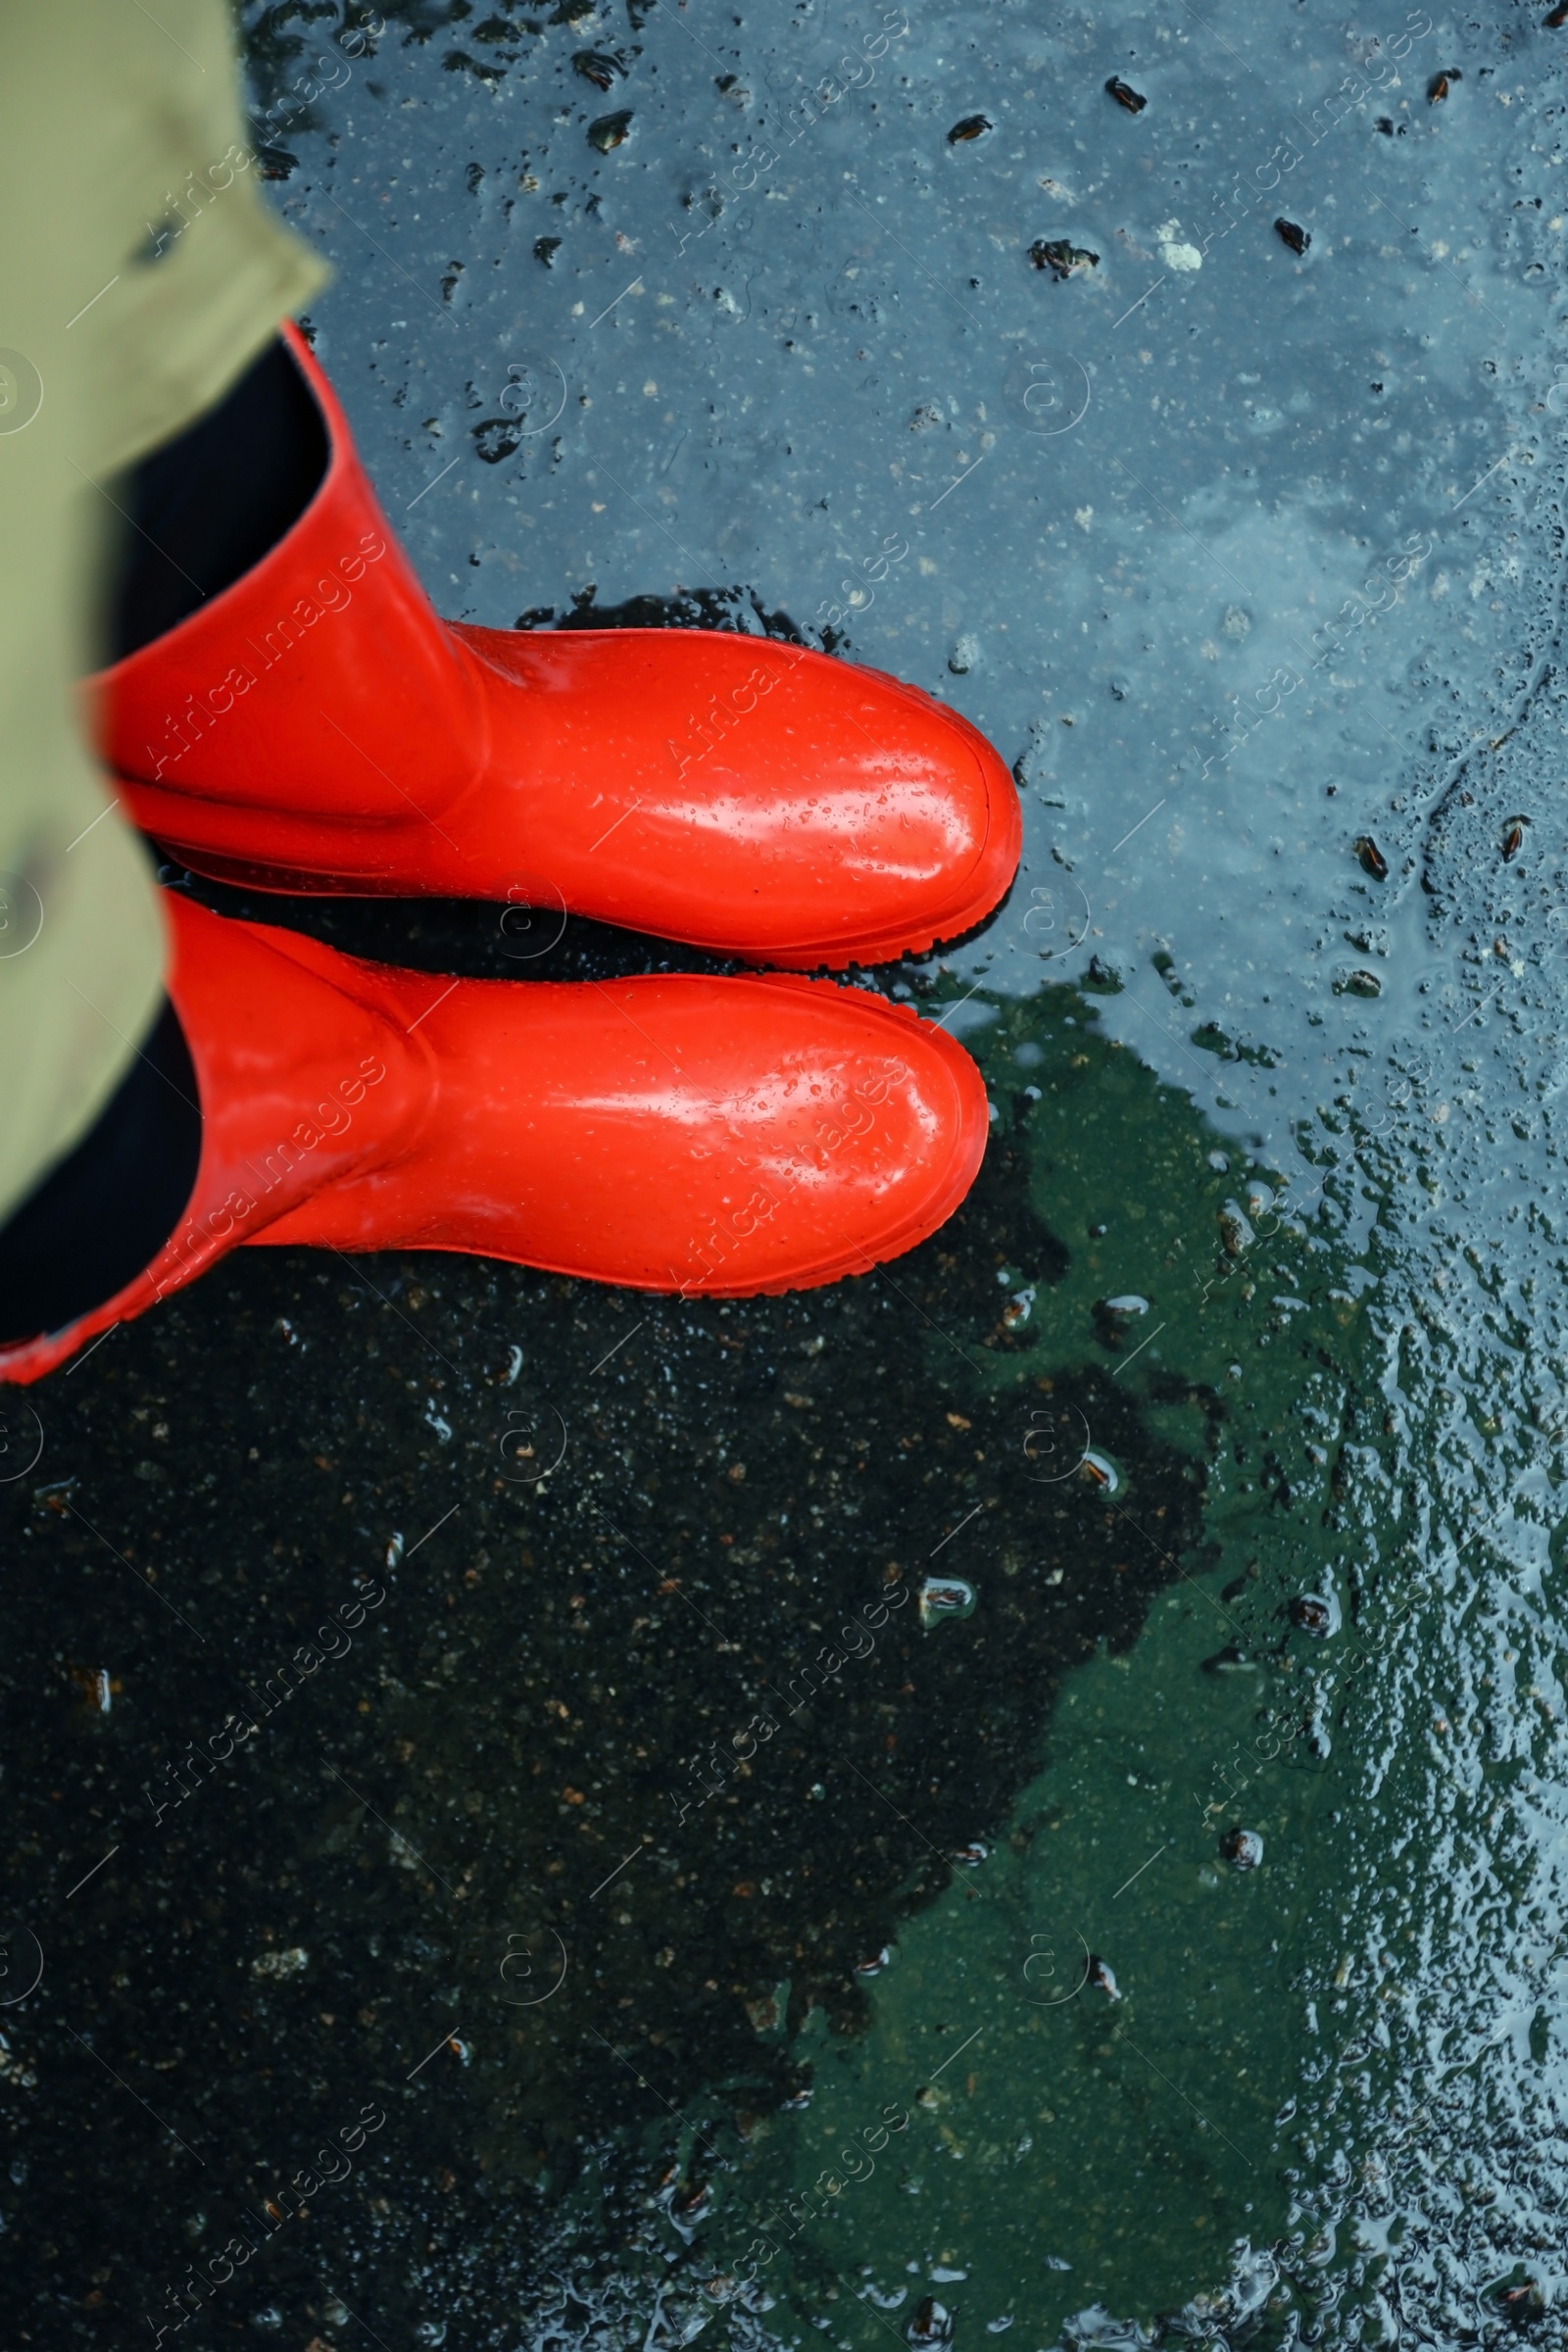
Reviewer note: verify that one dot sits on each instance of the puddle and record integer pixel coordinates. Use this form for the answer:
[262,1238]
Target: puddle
[495,1854]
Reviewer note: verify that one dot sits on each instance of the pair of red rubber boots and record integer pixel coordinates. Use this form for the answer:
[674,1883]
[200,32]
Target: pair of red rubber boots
[316,728]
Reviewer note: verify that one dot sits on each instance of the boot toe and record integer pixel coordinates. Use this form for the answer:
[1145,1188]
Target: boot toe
[752,796]
[712,1138]
[863,1139]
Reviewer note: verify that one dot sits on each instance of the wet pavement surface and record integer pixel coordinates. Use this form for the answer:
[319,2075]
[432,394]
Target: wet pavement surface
[1023,1794]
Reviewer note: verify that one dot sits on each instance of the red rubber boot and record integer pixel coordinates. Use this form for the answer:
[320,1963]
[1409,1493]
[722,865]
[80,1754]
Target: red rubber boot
[316,728]
[713,1138]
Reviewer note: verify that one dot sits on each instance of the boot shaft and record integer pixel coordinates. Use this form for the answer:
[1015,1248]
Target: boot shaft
[305,686]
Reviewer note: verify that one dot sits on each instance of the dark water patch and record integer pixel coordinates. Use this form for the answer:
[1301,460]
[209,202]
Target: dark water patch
[518,1716]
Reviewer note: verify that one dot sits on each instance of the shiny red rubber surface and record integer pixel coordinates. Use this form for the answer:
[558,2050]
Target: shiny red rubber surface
[316,728]
[717,1137]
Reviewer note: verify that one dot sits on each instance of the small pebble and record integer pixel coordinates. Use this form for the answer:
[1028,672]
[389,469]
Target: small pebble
[281,1964]
[1102,1978]
[1230,1660]
[931,2326]
[1176,251]
[944,1596]
[1235,1229]
[1061,258]
[602,70]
